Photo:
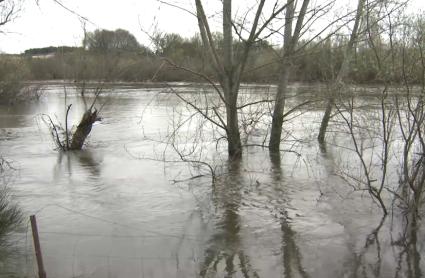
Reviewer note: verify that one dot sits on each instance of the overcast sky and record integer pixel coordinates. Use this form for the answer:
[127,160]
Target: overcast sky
[49,24]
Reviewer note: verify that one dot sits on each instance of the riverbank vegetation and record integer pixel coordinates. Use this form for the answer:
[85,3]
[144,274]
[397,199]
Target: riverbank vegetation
[10,214]
[117,56]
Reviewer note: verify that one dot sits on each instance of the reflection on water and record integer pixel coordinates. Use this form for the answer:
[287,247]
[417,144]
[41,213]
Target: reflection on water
[103,213]
[224,248]
[408,248]
[84,159]
[291,257]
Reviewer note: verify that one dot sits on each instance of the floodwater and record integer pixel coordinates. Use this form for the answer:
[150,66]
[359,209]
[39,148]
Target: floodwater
[115,209]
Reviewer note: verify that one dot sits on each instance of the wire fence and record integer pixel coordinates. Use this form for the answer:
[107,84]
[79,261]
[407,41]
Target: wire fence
[95,246]
[122,251]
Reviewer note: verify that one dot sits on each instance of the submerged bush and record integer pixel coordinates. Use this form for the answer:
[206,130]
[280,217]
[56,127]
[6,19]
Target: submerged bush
[10,215]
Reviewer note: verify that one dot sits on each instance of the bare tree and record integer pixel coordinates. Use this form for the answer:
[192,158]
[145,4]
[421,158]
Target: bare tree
[404,112]
[371,143]
[299,20]
[363,14]
[8,11]
[338,83]
[228,68]
[411,121]
[291,38]
[229,65]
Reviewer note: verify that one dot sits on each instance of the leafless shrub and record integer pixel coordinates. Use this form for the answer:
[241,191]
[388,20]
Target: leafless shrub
[10,215]
[32,92]
[190,136]
[370,130]
[393,136]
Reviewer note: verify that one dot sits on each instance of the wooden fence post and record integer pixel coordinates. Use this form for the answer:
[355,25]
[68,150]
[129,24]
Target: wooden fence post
[37,247]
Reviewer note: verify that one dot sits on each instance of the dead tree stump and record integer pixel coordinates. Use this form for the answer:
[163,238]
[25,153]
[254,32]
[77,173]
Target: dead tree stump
[83,129]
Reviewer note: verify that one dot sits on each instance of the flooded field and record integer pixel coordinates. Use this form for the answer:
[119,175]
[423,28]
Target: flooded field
[115,209]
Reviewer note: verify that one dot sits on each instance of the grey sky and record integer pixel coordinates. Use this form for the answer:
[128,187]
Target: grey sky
[49,24]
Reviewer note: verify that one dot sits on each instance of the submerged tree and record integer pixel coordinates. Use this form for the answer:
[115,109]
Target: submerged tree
[338,84]
[299,20]
[291,37]
[393,137]
[67,139]
[228,69]
[228,63]
[411,118]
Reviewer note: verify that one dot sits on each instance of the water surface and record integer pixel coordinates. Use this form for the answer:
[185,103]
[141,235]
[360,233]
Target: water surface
[112,210]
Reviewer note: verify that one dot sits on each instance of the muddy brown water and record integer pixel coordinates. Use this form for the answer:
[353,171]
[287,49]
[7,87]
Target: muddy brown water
[109,211]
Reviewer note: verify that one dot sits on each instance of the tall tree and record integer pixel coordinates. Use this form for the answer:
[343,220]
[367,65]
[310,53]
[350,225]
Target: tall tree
[304,18]
[105,40]
[291,37]
[229,66]
[338,83]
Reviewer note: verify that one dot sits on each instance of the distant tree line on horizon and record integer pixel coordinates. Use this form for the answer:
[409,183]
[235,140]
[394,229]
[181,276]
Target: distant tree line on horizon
[118,56]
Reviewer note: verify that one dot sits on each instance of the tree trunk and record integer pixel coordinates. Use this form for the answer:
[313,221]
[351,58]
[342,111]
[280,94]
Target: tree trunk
[230,86]
[228,66]
[277,121]
[83,129]
[233,138]
[233,135]
[227,39]
[325,120]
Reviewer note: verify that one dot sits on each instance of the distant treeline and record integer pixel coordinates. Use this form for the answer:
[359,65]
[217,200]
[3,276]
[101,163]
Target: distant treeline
[50,50]
[118,56]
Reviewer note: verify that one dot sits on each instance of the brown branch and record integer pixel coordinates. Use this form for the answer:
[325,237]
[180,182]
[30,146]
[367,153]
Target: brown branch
[198,109]
[206,36]
[66,126]
[177,7]
[8,16]
[296,107]
[73,12]
[203,76]
[270,19]
[254,103]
